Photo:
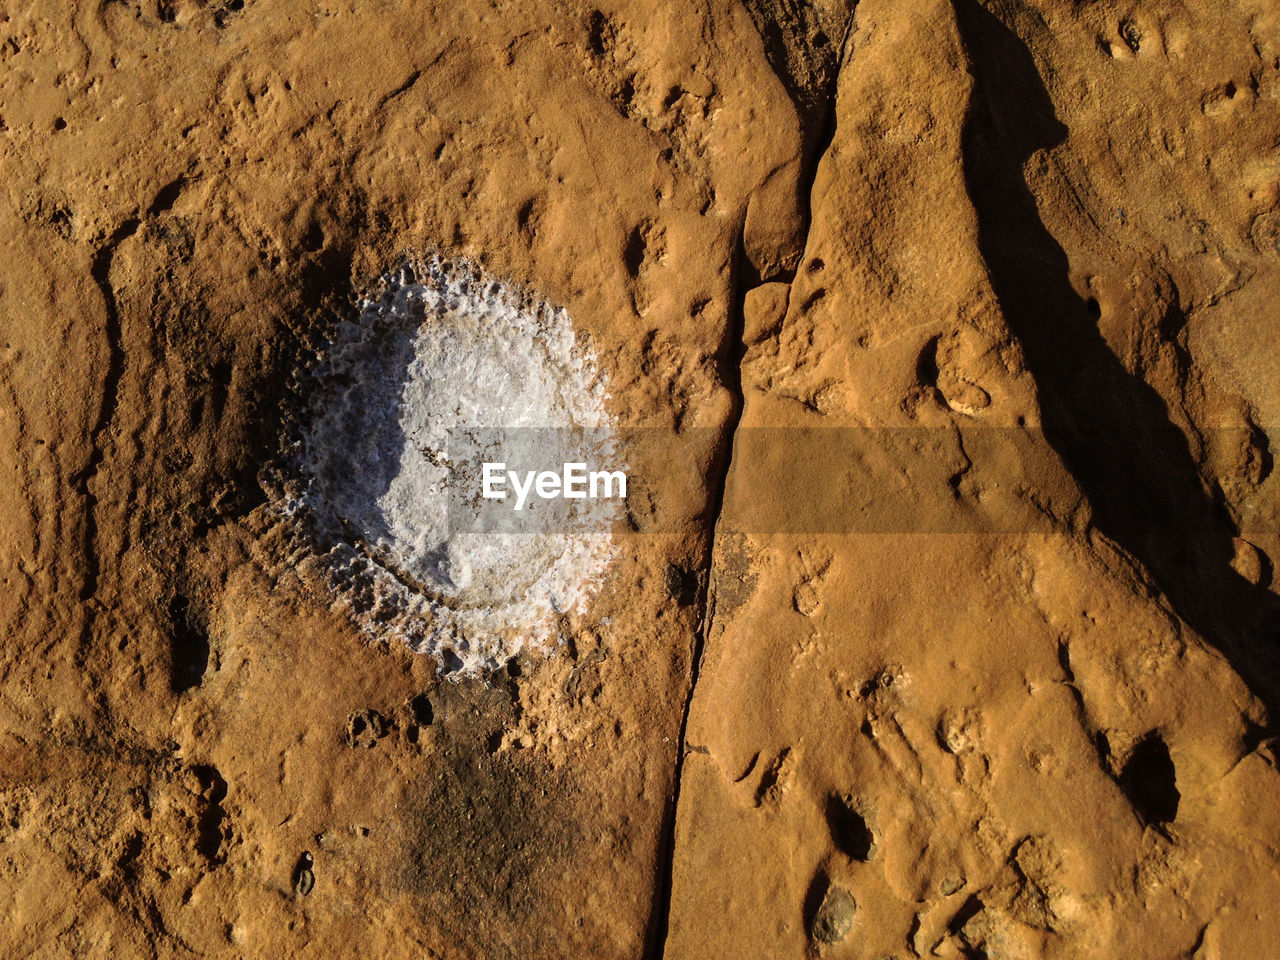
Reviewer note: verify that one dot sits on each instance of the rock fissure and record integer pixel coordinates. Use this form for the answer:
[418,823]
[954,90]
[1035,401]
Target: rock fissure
[735,350]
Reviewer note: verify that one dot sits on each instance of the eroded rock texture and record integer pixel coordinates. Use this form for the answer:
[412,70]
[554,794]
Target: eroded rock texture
[944,621]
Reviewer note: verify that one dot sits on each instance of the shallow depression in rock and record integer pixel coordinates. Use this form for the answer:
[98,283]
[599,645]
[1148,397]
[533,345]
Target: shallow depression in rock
[444,367]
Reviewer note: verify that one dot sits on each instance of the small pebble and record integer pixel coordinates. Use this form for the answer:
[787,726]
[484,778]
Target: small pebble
[834,918]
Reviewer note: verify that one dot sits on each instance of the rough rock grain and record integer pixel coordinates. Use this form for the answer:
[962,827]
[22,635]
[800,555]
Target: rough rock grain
[946,622]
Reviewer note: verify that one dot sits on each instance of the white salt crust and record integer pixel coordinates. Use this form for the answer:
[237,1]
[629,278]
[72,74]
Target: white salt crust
[442,357]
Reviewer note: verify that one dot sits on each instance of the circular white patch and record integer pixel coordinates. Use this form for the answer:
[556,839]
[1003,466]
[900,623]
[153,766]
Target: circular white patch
[444,367]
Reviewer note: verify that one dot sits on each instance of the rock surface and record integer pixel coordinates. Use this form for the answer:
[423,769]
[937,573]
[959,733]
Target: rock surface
[945,623]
